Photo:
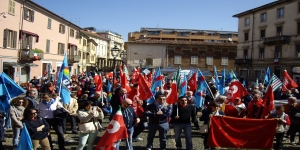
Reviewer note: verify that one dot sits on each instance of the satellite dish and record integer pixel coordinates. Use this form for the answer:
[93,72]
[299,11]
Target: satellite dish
[230,39]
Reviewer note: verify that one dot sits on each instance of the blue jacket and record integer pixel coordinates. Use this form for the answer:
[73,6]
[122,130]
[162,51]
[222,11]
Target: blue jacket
[151,111]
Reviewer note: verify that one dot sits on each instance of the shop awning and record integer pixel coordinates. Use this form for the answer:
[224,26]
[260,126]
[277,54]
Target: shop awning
[22,32]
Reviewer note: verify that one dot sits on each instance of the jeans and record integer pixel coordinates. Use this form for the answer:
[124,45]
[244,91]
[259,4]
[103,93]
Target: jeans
[7,121]
[16,134]
[187,128]
[162,130]
[73,122]
[279,139]
[128,140]
[138,129]
[106,110]
[293,130]
[87,137]
[59,132]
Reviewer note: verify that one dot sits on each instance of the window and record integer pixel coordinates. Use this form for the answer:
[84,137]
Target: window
[224,61]
[278,50]
[62,28]
[247,21]
[61,49]
[298,27]
[27,41]
[245,54]
[263,17]
[194,60]
[11,7]
[47,46]
[298,50]
[299,7]
[10,38]
[177,59]
[279,30]
[261,53]
[246,34]
[83,55]
[280,12]
[79,41]
[28,14]
[79,54]
[71,33]
[84,42]
[209,61]
[262,33]
[49,23]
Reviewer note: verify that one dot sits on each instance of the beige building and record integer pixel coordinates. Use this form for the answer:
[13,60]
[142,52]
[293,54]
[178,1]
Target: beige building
[269,36]
[34,40]
[190,49]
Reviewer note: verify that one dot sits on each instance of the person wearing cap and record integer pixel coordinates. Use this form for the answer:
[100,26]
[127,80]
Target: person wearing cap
[130,119]
[158,113]
[182,116]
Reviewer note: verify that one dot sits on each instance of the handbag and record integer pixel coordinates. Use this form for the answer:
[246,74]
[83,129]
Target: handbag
[203,129]
[87,127]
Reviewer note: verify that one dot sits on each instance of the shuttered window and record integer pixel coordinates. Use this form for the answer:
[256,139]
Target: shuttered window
[11,7]
[61,49]
[224,61]
[194,60]
[62,28]
[177,59]
[47,46]
[209,61]
[10,38]
[49,23]
[28,14]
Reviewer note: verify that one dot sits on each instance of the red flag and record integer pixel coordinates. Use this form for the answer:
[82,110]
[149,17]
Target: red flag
[121,70]
[268,102]
[116,130]
[134,76]
[96,78]
[192,83]
[144,91]
[28,85]
[230,132]
[125,83]
[133,96]
[236,89]
[231,111]
[99,83]
[288,82]
[172,96]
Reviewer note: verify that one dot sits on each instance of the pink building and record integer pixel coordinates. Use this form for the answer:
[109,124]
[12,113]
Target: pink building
[33,40]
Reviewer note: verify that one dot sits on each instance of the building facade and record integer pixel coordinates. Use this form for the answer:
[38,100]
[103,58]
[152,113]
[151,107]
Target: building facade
[34,40]
[269,37]
[189,49]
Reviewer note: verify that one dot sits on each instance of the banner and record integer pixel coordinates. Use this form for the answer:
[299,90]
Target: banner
[228,132]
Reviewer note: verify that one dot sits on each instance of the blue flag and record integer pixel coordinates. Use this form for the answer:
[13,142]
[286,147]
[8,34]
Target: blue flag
[109,93]
[183,86]
[157,81]
[217,82]
[63,82]
[222,83]
[8,90]
[267,77]
[25,140]
[201,88]
[152,99]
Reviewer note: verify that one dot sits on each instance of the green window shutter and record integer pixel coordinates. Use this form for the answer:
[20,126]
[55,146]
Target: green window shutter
[15,39]
[32,16]
[13,7]
[58,49]
[49,23]
[25,15]
[6,36]
[63,49]
[9,6]
[47,46]
[24,41]
[30,42]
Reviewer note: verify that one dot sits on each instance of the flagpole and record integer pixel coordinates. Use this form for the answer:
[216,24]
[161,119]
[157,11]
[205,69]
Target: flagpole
[177,107]
[101,95]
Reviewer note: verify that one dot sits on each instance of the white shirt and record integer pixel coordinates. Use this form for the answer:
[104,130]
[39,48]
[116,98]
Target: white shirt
[45,112]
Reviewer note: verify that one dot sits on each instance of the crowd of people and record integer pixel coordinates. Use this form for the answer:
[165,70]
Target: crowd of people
[41,110]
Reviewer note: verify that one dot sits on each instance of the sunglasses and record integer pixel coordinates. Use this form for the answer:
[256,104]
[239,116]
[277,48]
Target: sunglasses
[33,112]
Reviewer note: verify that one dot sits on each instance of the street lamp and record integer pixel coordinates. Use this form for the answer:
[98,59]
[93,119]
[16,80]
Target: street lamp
[141,63]
[114,53]
[123,56]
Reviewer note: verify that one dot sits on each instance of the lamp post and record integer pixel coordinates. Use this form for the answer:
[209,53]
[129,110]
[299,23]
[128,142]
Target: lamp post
[114,53]
[123,56]
[141,63]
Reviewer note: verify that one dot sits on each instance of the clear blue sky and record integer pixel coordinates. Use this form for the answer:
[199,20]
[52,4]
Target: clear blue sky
[124,16]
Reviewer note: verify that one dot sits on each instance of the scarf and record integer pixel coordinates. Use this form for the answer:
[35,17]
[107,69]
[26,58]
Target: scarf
[48,104]
[160,106]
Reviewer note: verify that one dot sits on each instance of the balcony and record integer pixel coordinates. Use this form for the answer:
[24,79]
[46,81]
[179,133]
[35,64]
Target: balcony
[243,62]
[31,55]
[87,61]
[73,59]
[283,39]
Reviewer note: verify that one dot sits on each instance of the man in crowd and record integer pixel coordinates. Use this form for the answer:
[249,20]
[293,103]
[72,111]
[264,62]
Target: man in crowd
[71,108]
[192,101]
[32,102]
[255,107]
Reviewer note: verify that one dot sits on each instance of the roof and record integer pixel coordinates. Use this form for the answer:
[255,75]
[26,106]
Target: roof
[263,7]
[95,35]
[150,41]
[188,30]
[52,13]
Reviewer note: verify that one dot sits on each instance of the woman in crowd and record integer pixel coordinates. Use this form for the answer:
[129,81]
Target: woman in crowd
[38,129]
[213,109]
[46,109]
[295,123]
[88,114]
[16,111]
[283,120]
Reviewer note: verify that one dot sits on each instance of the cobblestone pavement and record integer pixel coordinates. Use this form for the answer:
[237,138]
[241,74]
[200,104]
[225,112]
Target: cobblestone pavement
[72,140]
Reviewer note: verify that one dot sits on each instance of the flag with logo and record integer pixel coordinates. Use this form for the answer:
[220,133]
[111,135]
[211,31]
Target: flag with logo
[172,96]
[192,83]
[183,86]
[268,102]
[236,89]
[201,88]
[275,83]
[222,82]
[99,83]
[25,140]
[217,82]
[125,83]
[116,130]
[63,82]
[177,78]
[267,77]
[157,81]
[288,82]
[109,89]
[144,90]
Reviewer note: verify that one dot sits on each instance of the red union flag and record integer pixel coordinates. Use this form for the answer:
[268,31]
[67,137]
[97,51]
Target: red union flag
[172,96]
[288,82]
[144,91]
[229,132]
[192,83]
[236,89]
[125,83]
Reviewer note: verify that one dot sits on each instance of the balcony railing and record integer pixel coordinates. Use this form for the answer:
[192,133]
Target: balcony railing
[243,62]
[282,39]
[30,55]
[73,59]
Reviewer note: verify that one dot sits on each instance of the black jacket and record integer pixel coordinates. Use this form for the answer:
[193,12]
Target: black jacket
[186,114]
[32,126]
[151,111]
